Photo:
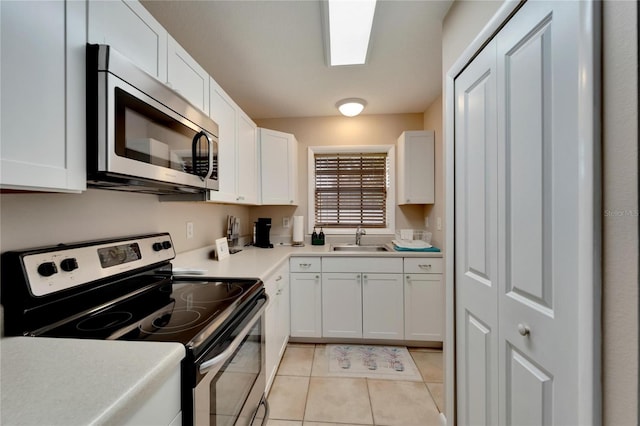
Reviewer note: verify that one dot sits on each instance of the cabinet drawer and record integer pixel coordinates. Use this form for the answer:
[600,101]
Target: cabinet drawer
[305,264]
[276,281]
[424,265]
[383,265]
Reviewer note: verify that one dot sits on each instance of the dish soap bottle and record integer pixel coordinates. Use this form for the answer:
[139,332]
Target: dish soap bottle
[321,237]
[314,237]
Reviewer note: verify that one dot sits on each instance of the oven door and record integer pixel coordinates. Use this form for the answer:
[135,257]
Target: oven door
[231,389]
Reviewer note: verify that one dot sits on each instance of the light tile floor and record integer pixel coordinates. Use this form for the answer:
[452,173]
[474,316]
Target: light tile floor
[303,395]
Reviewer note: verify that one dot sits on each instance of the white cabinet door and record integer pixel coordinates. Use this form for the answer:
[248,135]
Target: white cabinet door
[342,305]
[278,168]
[247,161]
[271,338]
[306,304]
[382,306]
[284,312]
[238,149]
[276,321]
[129,28]
[416,163]
[43,102]
[424,307]
[186,76]
[224,112]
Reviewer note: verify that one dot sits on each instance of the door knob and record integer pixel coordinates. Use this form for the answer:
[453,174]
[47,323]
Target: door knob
[523,329]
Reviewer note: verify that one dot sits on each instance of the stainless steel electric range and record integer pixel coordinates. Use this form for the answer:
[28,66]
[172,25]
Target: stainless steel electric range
[124,289]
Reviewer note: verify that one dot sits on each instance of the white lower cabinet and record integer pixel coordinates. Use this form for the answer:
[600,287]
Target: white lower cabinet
[423,300]
[395,299]
[276,321]
[360,299]
[342,305]
[382,306]
[163,405]
[306,304]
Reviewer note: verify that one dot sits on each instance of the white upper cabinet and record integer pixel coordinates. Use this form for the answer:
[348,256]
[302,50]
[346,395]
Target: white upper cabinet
[186,76]
[223,112]
[130,29]
[43,102]
[238,150]
[416,167]
[247,161]
[278,168]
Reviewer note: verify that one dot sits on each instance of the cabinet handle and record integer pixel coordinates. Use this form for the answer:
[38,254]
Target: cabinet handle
[305,265]
[290,201]
[279,278]
[427,267]
[317,278]
[279,292]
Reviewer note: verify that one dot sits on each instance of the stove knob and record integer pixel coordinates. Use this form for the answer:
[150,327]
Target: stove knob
[47,269]
[69,264]
[166,245]
[157,246]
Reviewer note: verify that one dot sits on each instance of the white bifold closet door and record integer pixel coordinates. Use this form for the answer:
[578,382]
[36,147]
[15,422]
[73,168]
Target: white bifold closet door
[519,173]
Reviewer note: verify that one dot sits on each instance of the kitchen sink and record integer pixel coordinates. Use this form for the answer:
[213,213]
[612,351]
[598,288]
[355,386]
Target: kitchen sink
[361,248]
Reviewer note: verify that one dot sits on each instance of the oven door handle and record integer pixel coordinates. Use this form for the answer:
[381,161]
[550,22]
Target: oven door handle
[226,354]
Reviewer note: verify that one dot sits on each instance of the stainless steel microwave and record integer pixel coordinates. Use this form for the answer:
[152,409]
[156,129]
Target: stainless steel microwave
[142,136]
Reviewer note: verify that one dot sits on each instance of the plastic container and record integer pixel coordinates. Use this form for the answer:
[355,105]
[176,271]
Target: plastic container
[413,234]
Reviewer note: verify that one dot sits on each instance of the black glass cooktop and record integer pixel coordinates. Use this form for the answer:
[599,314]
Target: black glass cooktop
[184,311]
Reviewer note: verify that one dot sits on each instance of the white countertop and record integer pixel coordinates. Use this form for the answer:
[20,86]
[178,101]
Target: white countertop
[255,262]
[51,381]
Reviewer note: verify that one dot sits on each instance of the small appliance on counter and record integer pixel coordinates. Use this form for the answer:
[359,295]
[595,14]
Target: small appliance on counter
[263,228]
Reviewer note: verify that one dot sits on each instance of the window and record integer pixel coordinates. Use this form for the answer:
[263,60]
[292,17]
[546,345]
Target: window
[351,187]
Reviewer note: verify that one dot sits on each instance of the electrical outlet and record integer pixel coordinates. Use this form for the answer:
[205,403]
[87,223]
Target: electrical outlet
[189,230]
[286,223]
[439,224]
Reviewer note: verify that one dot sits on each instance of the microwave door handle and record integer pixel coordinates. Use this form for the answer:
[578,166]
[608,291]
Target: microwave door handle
[194,156]
[222,357]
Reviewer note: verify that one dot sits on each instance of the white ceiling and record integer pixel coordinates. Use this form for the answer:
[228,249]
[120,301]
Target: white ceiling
[269,55]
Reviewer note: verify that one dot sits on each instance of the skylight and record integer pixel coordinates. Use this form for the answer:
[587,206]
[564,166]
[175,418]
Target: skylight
[350,24]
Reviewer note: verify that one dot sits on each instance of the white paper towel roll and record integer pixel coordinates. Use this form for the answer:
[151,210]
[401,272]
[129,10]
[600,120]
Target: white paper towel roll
[298,229]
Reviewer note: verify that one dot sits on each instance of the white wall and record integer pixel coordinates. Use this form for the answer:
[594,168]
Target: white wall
[36,219]
[620,213]
[433,120]
[337,130]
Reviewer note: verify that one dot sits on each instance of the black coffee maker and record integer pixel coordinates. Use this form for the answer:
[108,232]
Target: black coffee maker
[263,227]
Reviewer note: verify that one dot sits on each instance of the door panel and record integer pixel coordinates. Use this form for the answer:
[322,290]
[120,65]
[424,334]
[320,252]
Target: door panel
[476,241]
[479,352]
[530,392]
[528,168]
[538,181]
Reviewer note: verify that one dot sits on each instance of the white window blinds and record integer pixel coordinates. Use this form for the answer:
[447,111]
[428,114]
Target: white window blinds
[351,190]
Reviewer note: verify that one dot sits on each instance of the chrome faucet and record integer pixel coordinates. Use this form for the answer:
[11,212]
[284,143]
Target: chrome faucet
[359,233]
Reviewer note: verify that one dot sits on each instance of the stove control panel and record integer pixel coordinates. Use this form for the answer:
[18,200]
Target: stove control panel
[67,266]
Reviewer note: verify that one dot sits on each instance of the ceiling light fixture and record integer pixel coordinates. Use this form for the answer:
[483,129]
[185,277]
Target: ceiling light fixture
[350,23]
[351,107]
